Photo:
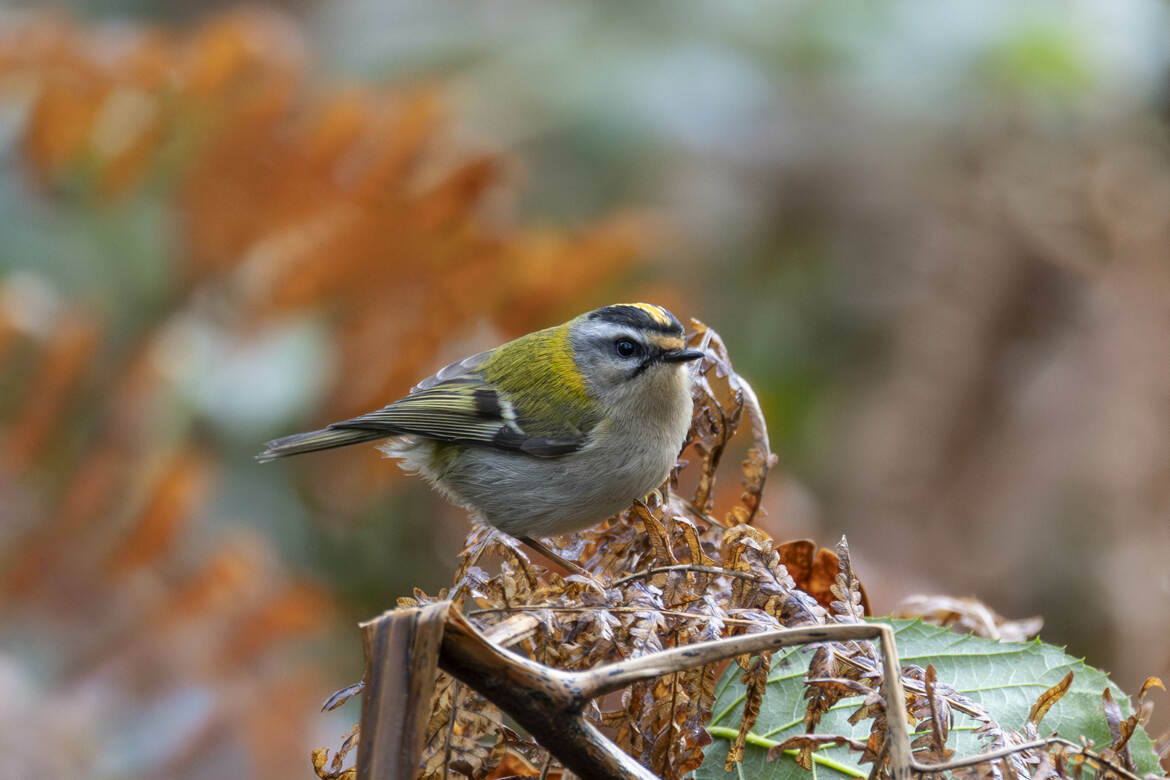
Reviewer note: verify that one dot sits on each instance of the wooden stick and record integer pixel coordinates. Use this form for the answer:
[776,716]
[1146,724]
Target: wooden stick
[402,651]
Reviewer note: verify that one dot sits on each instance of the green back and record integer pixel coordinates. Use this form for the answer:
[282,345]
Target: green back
[537,374]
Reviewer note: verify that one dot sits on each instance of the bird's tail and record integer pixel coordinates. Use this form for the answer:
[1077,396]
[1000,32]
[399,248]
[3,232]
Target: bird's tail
[324,439]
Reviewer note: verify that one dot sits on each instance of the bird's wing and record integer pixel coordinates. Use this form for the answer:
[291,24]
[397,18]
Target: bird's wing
[454,370]
[462,407]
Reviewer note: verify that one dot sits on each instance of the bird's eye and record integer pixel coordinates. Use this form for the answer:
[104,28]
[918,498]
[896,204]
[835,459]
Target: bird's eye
[625,348]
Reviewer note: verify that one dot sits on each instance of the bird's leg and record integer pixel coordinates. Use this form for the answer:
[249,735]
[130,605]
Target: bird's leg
[552,556]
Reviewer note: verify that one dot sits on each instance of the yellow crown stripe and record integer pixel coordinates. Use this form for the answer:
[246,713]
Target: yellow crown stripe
[657,313]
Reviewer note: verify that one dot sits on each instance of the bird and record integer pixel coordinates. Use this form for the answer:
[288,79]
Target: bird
[548,434]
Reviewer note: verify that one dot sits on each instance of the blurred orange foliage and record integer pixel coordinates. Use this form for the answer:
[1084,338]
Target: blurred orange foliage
[59,368]
[172,498]
[287,198]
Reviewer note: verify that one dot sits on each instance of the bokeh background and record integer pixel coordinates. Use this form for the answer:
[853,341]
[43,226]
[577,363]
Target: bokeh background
[935,237]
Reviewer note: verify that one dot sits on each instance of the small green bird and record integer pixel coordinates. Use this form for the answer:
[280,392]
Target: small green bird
[547,434]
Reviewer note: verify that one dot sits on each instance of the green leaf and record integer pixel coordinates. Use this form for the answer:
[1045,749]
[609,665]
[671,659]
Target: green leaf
[1004,677]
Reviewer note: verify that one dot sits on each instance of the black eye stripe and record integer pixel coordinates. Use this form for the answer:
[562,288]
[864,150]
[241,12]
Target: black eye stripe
[645,364]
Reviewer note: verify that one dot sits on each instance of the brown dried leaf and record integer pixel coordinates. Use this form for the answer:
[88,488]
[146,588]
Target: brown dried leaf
[513,764]
[806,744]
[822,695]
[1143,705]
[657,535]
[460,721]
[755,678]
[330,768]
[939,718]
[967,616]
[342,695]
[851,604]
[812,570]
[1049,697]
[690,534]
[755,471]
[1121,731]
[1112,714]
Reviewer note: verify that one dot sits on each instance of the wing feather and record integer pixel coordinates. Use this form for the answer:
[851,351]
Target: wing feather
[455,404]
[462,408]
[459,368]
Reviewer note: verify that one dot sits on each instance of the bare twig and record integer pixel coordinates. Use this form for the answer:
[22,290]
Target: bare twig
[523,608]
[1073,749]
[682,567]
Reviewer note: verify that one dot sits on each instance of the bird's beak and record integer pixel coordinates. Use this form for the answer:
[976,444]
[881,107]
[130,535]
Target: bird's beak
[681,355]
